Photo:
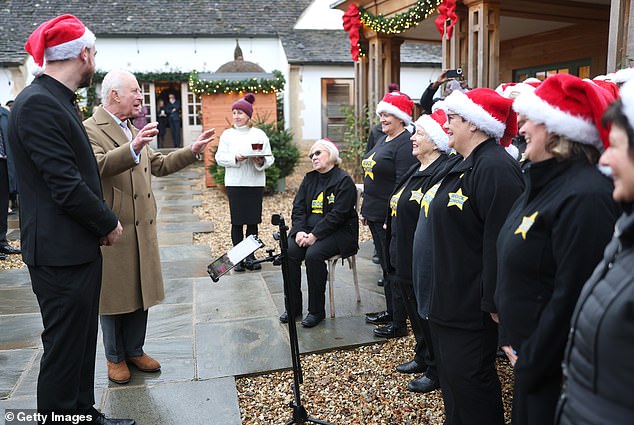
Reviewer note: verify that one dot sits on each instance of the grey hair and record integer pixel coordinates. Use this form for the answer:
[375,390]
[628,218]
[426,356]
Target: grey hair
[114,80]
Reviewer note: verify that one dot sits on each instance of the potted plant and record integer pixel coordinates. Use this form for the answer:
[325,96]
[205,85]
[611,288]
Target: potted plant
[284,150]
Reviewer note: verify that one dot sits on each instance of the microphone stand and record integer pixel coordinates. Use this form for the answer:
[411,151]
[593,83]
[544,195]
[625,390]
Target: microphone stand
[300,416]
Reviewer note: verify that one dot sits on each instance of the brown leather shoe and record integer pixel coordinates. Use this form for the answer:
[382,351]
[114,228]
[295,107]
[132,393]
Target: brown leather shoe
[118,372]
[144,363]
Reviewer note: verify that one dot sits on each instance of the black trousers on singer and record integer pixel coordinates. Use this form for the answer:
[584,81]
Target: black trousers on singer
[314,257]
[468,376]
[423,349]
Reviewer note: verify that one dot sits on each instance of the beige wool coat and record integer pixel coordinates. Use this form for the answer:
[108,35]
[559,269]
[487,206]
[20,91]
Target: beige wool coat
[132,276]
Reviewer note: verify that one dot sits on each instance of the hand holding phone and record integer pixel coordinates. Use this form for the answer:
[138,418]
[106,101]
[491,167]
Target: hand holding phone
[454,73]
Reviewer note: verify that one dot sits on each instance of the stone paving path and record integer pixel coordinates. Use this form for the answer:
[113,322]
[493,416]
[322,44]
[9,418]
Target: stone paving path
[204,334]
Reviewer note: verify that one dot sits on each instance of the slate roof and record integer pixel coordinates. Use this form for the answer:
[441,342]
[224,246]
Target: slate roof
[143,18]
[190,18]
[328,47]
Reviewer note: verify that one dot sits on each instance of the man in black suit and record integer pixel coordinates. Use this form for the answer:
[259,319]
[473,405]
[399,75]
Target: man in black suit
[5,248]
[63,217]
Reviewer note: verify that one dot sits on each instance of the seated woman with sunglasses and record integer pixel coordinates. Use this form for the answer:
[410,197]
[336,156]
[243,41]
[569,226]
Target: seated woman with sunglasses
[325,224]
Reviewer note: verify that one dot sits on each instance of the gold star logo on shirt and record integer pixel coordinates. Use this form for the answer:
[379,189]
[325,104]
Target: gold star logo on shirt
[331,198]
[457,199]
[429,196]
[527,223]
[394,201]
[417,195]
[368,165]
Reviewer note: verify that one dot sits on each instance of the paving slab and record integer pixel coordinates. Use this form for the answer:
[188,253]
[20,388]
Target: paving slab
[20,331]
[170,321]
[234,297]
[13,364]
[210,402]
[174,209]
[175,238]
[244,347]
[15,278]
[181,291]
[178,203]
[190,252]
[18,301]
[178,218]
[198,227]
[185,268]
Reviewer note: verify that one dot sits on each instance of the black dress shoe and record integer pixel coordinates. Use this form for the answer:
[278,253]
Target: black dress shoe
[389,331]
[8,249]
[312,320]
[3,256]
[423,385]
[380,318]
[239,267]
[284,317]
[100,419]
[379,282]
[411,367]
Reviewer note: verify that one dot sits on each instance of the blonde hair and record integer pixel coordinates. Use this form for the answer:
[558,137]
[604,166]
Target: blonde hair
[563,148]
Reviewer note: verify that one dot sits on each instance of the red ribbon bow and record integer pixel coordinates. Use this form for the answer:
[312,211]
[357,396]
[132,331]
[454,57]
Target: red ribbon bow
[352,23]
[447,11]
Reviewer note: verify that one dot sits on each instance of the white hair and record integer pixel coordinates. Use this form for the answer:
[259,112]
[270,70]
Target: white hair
[114,80]
[333,151]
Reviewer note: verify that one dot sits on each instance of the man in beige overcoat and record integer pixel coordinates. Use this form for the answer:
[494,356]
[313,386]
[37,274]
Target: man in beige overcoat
[132,280]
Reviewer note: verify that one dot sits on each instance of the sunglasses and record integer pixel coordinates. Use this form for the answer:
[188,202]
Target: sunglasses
[316,153]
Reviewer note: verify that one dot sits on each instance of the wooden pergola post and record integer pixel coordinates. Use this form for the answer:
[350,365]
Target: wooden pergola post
[483,42]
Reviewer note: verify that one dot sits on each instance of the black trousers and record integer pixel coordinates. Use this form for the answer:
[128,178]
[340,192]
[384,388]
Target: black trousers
[4,199]
[124,334]
[468,377]
[379,237]
[69,302]
[423,349]
[536,407]
[314,257]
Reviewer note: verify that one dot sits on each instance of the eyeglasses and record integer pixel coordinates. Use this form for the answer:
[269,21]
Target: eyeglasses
[451,117]
[316,153]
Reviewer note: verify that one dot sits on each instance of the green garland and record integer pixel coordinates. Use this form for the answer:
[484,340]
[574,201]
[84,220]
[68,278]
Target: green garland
[149,76]
[253,85]
[401,21]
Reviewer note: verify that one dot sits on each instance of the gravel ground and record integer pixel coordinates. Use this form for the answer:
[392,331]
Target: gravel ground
[357,386]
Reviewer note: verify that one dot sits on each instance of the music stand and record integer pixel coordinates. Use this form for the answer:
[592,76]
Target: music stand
[300,415]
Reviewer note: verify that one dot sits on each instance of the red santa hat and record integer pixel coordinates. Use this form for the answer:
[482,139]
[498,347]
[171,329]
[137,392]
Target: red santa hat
[58,39]
[433,125]
[398,104]
[487,110]
[607,85]
[570,107]
[512,90]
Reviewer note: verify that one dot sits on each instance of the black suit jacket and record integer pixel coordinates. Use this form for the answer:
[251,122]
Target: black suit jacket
[62,211]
